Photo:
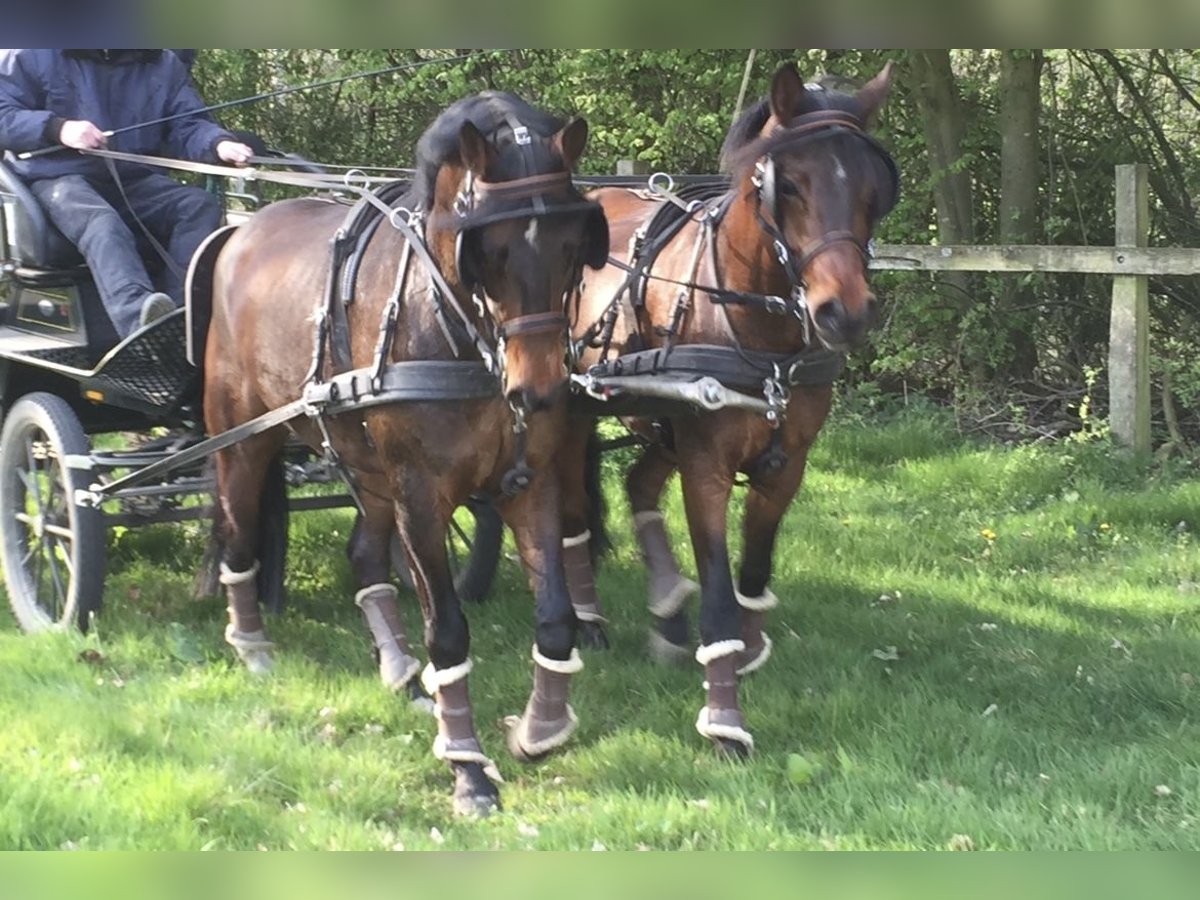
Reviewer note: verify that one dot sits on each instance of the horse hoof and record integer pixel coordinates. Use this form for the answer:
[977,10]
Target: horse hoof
[257,662]
[728,748]
[666,653]
[418,696]
[474,794]
[591,636]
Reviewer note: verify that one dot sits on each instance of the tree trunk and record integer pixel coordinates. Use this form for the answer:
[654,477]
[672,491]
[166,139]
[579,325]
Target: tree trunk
[945,125]
[1020,105]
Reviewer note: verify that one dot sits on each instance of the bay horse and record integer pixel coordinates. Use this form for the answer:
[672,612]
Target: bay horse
[448,309]
[762,287]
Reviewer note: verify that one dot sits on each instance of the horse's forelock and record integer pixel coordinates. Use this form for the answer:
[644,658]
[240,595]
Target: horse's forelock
[494,113]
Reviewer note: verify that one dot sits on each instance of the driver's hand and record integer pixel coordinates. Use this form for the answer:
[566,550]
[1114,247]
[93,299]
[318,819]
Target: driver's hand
[79,134]
[235,153]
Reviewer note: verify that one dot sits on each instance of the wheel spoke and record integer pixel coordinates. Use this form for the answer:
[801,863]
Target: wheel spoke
[56,585]
[60,531]
[33,485]
[462,534]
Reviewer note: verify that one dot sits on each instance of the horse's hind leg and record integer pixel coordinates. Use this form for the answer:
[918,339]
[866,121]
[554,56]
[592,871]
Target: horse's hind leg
[579,474]
[669,590]
[548,720]
[422,520]
[368,552]
[241,470]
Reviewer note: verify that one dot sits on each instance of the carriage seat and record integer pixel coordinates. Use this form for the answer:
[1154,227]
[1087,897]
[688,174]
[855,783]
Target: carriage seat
[38,244]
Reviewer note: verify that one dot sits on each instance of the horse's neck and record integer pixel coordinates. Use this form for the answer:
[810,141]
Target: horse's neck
[745,254]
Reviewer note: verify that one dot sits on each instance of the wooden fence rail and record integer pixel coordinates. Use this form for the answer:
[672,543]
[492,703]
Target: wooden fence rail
[1129,263]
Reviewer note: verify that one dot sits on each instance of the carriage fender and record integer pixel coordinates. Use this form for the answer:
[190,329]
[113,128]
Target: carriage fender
[198,292]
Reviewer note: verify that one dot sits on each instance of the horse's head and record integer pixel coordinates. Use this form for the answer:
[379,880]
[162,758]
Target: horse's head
[822,183]
[523,235]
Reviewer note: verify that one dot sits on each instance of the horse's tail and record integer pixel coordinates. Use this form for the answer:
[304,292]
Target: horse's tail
[600,543]
[271,548]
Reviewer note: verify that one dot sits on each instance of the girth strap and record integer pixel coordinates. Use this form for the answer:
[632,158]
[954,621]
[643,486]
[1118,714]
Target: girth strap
[738,369]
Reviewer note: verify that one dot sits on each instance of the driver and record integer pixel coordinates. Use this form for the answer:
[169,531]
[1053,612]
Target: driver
[75,99]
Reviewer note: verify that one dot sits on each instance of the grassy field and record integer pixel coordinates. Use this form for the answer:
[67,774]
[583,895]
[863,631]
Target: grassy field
[977,647]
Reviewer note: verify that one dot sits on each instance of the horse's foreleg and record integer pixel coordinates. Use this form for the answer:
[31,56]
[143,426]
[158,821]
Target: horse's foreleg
[669,590]
[578,479]
[706,492]
[422,519]
[376,597]
[548,720]
[241,470]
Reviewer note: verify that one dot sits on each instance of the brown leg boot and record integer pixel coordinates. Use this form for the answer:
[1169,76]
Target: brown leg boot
[581,584]
[669,590]
[245,629]
[476,776]
[758,645]
[397,665]
[721,718]
[548,721]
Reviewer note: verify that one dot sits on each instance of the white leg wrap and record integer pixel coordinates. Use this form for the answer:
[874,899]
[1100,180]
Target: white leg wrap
[709,652]
[546,744]
[717,730]
[252,648]
[432,679]
[649,515]
[577,540]
[766,600]
[228,576]
[763,655]
[442,751]
[562,666]
[372,589]
[670,603]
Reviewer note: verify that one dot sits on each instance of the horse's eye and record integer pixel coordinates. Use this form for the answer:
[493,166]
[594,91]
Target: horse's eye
[786,188]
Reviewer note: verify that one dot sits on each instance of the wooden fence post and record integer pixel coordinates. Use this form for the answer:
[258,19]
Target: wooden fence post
[1129,333]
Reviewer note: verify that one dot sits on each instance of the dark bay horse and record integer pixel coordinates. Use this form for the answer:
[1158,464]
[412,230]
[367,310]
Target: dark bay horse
[454,325]
[741,287]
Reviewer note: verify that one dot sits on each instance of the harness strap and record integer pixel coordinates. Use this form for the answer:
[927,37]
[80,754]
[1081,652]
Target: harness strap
[415,381]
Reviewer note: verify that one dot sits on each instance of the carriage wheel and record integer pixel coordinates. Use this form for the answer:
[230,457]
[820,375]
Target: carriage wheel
[473,546]
[53,550]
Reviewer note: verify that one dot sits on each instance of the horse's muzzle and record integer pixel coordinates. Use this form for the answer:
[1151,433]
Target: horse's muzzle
[839,328]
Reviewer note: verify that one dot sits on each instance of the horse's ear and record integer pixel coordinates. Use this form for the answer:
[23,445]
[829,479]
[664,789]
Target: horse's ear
[571,140]
[874,93]
[474,150]
[787,91]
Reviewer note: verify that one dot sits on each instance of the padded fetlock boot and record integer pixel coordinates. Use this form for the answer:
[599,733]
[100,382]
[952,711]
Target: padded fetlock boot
[548,721]
[397,665]
[758,644]
[476,776]
[669,590]
[581,585]
[245,631]
[721,717]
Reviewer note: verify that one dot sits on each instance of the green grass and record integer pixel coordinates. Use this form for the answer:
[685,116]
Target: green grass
[1043,603]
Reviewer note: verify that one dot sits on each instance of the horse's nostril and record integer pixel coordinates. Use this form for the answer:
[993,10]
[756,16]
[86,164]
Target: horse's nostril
[832,315]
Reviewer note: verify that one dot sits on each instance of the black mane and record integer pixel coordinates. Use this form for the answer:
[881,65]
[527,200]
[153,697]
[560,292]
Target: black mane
[743,143]
[494,113]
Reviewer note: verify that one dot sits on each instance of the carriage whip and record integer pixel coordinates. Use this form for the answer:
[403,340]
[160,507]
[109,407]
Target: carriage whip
[264,96]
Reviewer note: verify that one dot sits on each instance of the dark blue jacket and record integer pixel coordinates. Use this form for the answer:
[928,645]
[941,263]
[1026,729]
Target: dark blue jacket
[41,89]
